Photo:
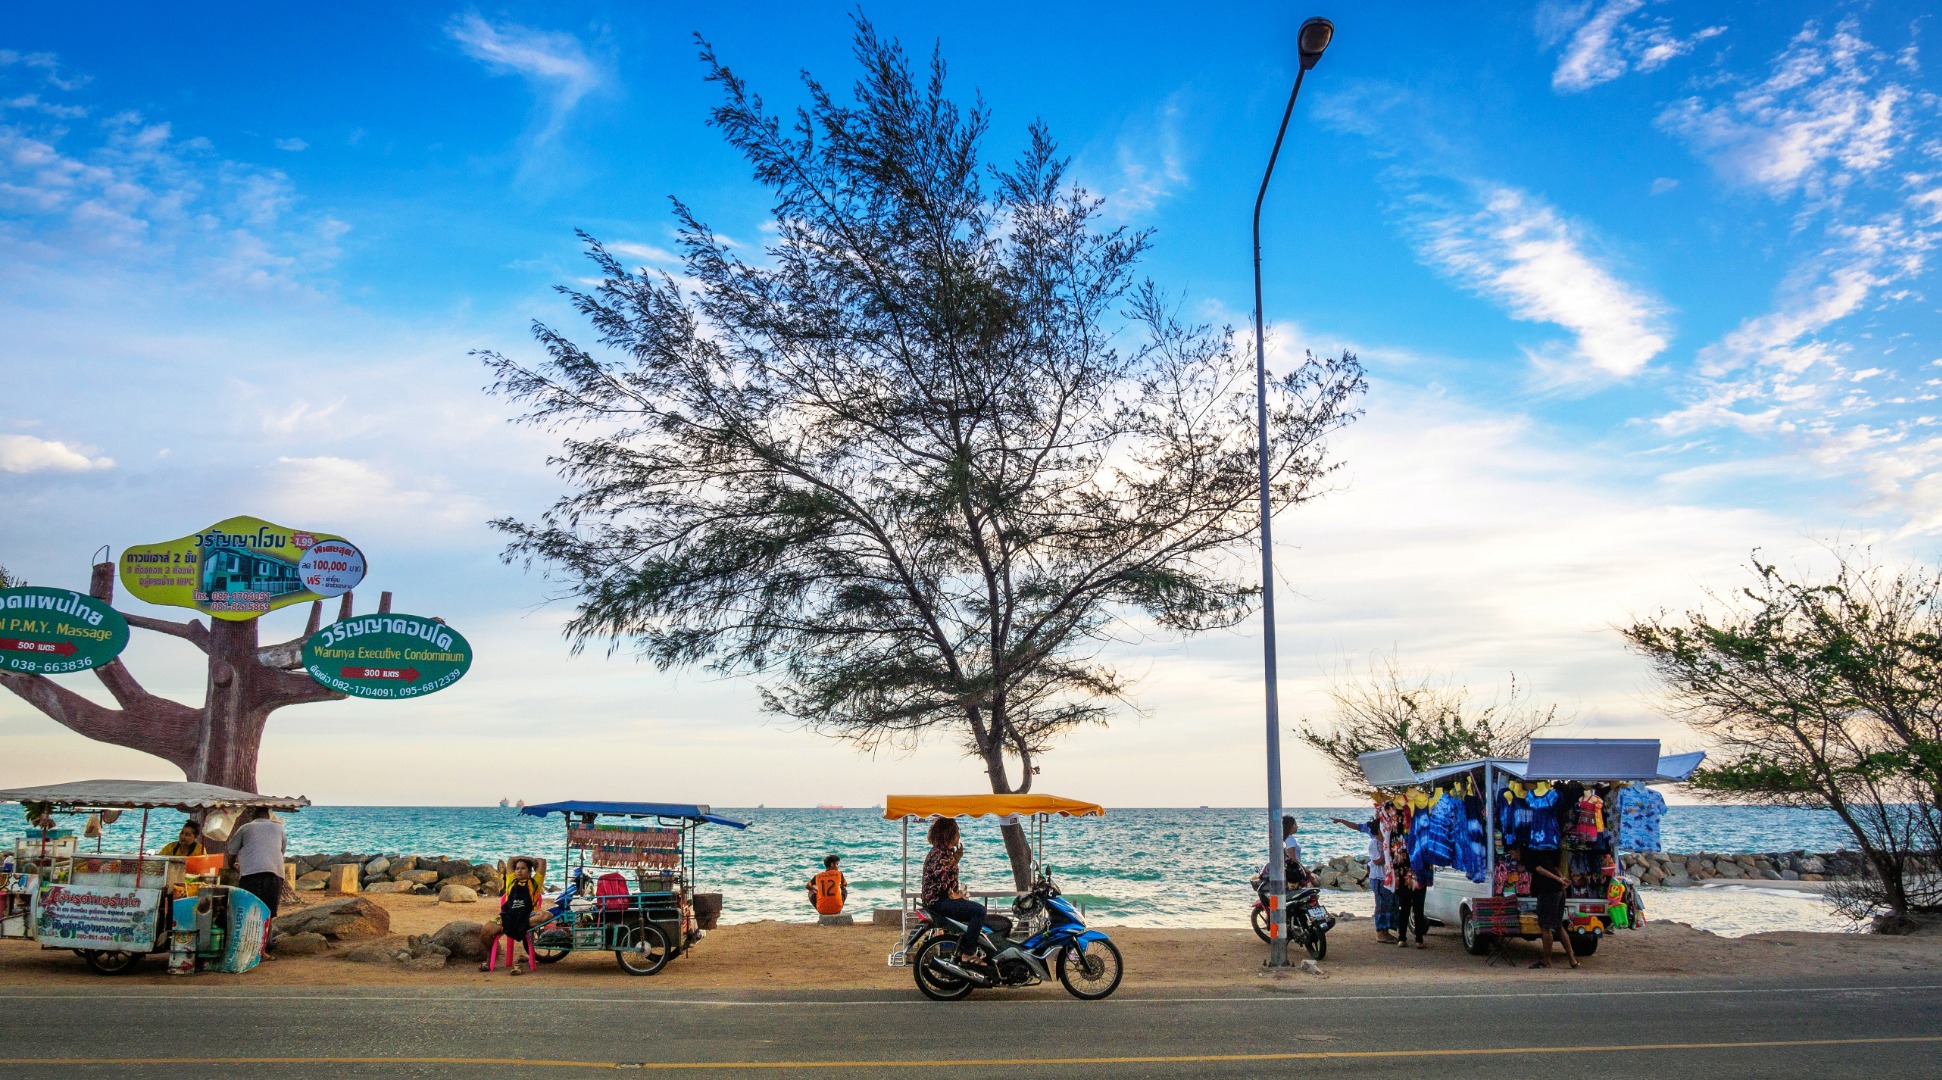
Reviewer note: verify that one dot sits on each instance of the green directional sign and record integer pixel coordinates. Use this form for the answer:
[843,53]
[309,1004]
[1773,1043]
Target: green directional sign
[50,631]
[387,656]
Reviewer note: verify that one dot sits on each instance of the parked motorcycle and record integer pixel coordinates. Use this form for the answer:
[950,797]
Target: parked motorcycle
[1308,918]
[1086,961]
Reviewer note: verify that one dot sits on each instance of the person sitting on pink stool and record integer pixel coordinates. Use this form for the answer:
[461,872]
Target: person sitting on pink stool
[516,906]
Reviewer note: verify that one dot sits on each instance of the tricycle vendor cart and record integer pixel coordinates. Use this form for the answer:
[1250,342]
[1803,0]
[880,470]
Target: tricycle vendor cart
[114,907]
[629,886]
[915,922]
[1473,821]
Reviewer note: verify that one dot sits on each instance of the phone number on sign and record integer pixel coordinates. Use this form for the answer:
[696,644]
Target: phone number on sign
[347,686]
[46,667]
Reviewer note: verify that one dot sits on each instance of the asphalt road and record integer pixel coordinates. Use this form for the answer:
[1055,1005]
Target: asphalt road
[1873,1028]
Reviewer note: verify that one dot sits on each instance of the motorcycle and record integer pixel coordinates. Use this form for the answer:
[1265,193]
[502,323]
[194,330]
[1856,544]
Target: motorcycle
[1086,961]
[1308,919]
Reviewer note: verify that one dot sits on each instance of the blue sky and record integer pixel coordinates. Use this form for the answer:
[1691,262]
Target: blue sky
[1641,286]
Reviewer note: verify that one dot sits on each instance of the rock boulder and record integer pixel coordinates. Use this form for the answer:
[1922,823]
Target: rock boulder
[304,944]
[351,919]
[458,894]
[464,940]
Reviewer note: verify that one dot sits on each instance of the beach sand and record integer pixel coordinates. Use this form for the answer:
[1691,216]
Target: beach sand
[790,956]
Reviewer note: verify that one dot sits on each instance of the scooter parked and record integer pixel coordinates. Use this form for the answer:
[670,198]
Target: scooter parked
[1087,962]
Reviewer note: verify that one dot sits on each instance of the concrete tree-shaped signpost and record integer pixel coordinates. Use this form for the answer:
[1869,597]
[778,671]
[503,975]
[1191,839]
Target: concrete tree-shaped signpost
[214,744]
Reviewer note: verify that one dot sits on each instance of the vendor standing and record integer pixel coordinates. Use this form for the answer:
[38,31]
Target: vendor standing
[256,854]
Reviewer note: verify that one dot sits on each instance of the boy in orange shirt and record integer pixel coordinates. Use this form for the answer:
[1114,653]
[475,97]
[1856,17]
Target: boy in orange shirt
[829,889]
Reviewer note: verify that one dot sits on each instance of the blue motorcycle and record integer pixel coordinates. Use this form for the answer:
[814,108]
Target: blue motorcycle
[1087,962]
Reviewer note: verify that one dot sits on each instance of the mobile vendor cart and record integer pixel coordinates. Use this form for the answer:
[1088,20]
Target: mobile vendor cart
[111,907]
[914,923]
[645,921]
[1600,899]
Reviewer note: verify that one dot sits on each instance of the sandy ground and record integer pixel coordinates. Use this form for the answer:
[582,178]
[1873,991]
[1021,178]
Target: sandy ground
[778,956]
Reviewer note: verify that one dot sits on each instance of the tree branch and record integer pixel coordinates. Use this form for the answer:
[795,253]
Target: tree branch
[147,723]
[192,631]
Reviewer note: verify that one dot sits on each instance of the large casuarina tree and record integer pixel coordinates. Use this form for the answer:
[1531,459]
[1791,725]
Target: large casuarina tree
[920,460]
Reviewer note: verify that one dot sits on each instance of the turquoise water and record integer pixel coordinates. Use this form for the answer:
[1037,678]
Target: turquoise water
[1142,867]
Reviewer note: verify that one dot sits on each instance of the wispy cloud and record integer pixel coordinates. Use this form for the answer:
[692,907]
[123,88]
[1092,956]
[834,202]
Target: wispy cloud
[292,145]
[26,454]
[1150,161]
[1831,129]
[128,189]
[553,63]
[1517,250]
[1822,118]
[1602,41]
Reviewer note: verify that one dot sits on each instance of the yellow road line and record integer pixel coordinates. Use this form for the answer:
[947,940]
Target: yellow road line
[947,1063]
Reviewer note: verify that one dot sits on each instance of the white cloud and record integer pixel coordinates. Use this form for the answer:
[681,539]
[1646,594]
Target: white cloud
[1150,161]
[292,145]
[127,190]
[1519,251]
[26,454]
[1602,42]
[555,64]
[1663,185]
[1821,118]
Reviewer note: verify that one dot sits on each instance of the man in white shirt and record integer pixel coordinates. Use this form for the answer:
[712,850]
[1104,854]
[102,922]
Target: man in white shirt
[256,854]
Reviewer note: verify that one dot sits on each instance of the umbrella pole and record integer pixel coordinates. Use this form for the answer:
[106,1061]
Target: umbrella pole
[141,851]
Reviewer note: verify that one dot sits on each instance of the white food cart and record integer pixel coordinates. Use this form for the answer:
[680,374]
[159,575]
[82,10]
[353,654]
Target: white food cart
[113,907]
[1453,899]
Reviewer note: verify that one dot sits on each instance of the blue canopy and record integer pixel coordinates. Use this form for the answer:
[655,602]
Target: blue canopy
[685,811]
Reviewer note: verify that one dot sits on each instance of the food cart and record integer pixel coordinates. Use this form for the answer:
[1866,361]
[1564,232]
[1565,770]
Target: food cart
[645,922]
[914,923]
[1598,901]
[113,908]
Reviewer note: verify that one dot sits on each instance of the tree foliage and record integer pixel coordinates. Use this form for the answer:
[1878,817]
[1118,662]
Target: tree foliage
[915,462]
[1434,720]
[10,581]
[1822,692]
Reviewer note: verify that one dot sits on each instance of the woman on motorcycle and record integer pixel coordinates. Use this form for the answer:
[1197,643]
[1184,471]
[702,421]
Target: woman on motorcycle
[942,894]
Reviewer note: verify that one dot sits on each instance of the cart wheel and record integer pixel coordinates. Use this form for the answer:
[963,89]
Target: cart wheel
[551,946]
[1475,942]
[938,985]
[1583,945]
[110,962]
[647,951]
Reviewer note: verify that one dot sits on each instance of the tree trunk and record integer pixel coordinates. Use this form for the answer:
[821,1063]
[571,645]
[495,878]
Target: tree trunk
[1018,848]
[216,744]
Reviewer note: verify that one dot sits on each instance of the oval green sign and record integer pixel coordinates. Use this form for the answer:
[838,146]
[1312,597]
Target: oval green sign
[386,656]
[50,631]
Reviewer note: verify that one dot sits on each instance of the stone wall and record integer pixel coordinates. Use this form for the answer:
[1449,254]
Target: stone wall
[398,873]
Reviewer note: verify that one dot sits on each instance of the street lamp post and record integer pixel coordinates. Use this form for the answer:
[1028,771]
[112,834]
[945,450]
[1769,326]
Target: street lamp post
[1311,41]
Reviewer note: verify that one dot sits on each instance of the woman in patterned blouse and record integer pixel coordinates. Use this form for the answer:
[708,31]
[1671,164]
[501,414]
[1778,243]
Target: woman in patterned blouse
[943,896]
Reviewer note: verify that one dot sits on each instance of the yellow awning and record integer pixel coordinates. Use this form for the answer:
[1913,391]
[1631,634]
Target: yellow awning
[924,806]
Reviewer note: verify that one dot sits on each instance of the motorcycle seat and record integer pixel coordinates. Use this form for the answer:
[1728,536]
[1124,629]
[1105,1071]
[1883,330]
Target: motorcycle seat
[1000,923]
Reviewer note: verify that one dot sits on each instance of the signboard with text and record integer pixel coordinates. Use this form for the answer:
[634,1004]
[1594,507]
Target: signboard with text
[242,567]
[387,656]
[50,631]
[97,917]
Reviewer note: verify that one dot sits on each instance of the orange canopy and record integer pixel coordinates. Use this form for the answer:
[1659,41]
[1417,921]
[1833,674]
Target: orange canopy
[922,806]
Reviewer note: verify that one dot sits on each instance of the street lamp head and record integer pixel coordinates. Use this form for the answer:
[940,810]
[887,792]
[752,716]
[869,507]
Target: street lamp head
[1313,40]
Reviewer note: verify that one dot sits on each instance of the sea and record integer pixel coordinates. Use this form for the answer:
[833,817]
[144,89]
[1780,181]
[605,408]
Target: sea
[1151,867]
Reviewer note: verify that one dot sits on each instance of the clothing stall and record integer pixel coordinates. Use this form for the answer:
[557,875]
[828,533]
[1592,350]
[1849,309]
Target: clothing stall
[1468,827]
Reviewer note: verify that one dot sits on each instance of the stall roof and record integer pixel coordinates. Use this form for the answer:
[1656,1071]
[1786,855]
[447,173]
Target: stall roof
[1599,760]
[147,795]
[685,811]
[921,806]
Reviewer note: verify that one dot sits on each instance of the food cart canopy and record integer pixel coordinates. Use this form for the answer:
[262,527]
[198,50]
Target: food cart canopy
[147,795]
[684,811]
[924,806]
